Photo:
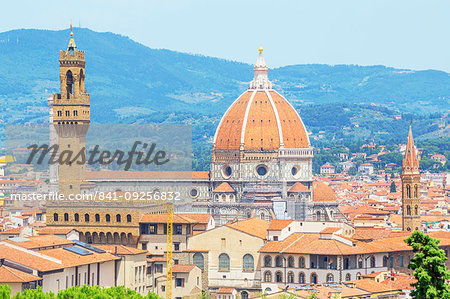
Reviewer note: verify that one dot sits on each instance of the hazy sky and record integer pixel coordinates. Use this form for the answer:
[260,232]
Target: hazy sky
[400,33]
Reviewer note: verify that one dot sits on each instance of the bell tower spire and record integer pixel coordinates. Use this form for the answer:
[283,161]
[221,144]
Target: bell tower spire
[410,187]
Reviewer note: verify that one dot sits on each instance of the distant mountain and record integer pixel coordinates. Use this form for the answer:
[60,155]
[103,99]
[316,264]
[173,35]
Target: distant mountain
[129,81]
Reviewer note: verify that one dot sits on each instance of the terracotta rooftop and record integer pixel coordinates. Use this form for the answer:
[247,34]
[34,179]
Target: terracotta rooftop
[162,218]
[253,226]
[182,268]
[298,187]
[55,230]
[278,224]
[71,259]
[28,259]
[11,275]
[224,188]
[225,290]
[43,241]
[323,192]
[121,249]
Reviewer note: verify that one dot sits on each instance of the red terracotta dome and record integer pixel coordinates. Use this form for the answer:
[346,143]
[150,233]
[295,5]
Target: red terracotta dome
[323,192]
[261,118]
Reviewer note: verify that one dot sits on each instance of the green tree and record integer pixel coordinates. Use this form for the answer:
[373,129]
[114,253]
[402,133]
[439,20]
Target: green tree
[393,188]
[352,171]
[5,291]
[429,267]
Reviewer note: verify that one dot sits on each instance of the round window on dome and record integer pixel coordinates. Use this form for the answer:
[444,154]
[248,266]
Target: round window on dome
[193,193]
[227,171]
[261,170]
[296,171]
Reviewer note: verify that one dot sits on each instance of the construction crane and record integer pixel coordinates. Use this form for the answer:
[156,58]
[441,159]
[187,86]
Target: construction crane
[169,207]
[7,159]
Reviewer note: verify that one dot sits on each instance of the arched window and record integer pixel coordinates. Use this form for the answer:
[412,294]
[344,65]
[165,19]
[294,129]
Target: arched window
[346,263]
[330,277]
[301,277]
[408,191]
[244,295]
[278,261]
[290,277]
[118,218]
[360,263]
[301,262]
[69,83]
[385,261]
[408,210]
[416,191]
[348,277]
[278,277]
[267,276]
[267,261]
[76,217]
[108,218]
[416,210]
[97,218]
[55,217]
[313,278]
[66,217]
[128,218]
[248,263]
[199,260]
[86,217]
[358,276]
[372,262]
[224,262]
[291,262]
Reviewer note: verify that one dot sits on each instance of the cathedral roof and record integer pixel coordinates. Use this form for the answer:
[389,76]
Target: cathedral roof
[224,188]
[261,118]
[323,192]
[298,187]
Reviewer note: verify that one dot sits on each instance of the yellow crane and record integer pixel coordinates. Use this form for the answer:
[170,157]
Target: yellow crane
[169,207]
[7,159]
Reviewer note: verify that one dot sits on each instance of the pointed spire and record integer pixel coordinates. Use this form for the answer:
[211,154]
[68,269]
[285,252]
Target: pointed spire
[410,161]
[260,70]
[72,46]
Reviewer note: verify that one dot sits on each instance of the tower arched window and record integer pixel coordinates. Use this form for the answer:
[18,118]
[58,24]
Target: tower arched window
[118,218]
[416,210]
[128,218]
[69,83]
[108,218]
[97,218]
[408,191]
[55,217]
[66,217]
[76,217]
[86,217]
[408,210]
[416,191]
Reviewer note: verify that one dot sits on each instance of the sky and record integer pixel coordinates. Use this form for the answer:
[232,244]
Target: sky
[400,33]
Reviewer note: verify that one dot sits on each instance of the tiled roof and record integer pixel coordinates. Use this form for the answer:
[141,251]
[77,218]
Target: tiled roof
[11,275]
[121,249]
[28,259]
[41,242]
[298,187]
[225,290]
[253,226]
[258,121]
[323,192]
[71,259]
[370,285]
[399,282]
[330,230]
[225,188]
[162,218]
[202,218]
[278,224]
[55,230]
[147,175]
[182,268]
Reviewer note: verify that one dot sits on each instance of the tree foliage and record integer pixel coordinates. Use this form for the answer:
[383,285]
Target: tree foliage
[79,292]
[393,188]
[429,267]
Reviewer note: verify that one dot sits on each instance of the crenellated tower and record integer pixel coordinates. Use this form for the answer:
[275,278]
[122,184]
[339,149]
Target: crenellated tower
[71,119]
[410,187]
